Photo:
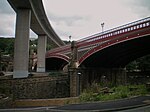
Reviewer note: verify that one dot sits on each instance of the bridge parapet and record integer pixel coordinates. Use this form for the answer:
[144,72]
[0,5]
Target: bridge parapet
[90,42]
[115,32]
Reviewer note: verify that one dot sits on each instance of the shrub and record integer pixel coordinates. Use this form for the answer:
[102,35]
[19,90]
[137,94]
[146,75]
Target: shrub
[86,96]
[94,93]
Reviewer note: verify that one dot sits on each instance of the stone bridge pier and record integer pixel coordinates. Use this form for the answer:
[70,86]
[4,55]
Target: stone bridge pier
[82,78]
[73,71]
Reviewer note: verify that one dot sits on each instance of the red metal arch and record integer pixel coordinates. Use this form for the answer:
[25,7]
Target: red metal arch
[113,42]
[60,56]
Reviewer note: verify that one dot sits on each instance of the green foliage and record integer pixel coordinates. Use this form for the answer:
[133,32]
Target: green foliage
[142,64]
[5,89]
[118,92]
[87,96]
[7,45]
[48,47]
[137,90]
[33,45]
[132,66]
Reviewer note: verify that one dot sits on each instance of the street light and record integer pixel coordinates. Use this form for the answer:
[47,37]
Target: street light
[70,38]
[102,25]
[0,60]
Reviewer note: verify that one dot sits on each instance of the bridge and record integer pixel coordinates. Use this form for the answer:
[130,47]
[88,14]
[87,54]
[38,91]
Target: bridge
[106,52]
[109,49]
[102,56]
[31,14]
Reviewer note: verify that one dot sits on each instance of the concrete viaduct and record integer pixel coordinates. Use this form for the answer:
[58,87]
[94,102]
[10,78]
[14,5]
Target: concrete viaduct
[31,14]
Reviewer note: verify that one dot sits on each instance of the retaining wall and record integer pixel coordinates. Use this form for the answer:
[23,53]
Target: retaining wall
[41,87]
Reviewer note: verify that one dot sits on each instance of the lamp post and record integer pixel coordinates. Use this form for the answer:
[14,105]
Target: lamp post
[33,49]
[102,25]
[69,38]
[0,60]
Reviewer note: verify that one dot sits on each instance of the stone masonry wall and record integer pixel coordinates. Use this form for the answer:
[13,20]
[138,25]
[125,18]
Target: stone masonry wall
[37,87]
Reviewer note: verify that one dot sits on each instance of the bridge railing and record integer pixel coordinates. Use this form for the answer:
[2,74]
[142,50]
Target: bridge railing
[114,29]
[59,49]
[103,36]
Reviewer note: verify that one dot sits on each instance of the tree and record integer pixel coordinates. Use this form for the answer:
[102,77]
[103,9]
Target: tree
[7,46]
[132,66]
[142,64]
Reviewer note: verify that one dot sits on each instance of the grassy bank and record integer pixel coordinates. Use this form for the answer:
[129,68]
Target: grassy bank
[97,93]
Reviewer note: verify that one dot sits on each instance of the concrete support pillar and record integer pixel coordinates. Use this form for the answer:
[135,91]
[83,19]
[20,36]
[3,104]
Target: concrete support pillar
[41,50]
[21,50]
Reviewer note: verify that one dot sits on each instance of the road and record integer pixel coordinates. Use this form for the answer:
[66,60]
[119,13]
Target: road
[136,104]
[49,109]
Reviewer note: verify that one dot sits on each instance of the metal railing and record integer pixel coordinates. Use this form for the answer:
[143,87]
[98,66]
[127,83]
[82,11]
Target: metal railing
[117,30]
[106,35]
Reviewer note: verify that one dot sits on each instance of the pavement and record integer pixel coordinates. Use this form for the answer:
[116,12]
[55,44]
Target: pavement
[135,104]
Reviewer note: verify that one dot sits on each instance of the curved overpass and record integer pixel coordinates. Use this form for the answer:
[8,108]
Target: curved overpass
[39,22]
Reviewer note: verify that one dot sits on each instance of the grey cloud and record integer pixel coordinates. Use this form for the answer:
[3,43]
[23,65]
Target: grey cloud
[4,32]
[5,7]
[62,33]
[69,21]
[7,19]
[7,31]
[141,7]
[145,3]
[65,34]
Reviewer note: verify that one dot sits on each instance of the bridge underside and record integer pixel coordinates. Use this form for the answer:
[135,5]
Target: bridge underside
[53,64]
[119,55]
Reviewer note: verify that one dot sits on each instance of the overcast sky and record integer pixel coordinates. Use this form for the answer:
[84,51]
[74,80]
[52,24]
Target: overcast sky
[80,18]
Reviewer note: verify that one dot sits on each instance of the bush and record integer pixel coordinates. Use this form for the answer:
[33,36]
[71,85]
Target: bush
[138,90]
[86,96]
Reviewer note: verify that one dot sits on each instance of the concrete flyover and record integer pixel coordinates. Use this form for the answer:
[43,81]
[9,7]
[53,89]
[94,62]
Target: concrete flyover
[39,22]
[31,14]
